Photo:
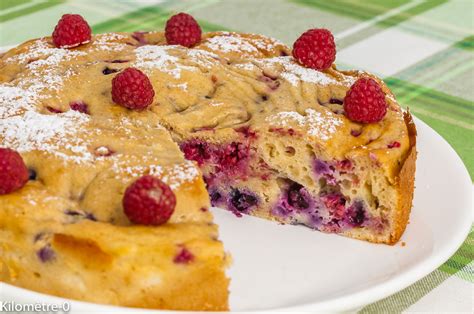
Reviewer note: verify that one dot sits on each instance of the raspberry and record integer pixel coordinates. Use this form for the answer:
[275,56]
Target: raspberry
[335,203]
[356,133]
[182,29]
[365,101]
[184,256]
[196,150]
[13,171]
[344,165]
[315,49]
[149,201]
[394,145]
[132,89]
[232,154]
[272,84]
[79,106]
[246,132]
[71,31]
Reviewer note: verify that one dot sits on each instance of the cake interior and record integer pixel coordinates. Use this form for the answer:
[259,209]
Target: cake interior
[325,195]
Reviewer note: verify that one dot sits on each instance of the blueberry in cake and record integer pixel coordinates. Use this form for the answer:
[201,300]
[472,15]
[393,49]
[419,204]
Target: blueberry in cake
[113,147]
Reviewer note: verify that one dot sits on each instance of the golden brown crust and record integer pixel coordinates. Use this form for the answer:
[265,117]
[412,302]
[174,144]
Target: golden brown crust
[207,291]
[406,184]
[98,255]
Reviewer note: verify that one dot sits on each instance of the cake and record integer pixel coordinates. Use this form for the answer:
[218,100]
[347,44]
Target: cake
[237,121]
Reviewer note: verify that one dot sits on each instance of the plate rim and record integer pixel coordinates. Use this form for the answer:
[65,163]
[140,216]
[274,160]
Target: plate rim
[413,274]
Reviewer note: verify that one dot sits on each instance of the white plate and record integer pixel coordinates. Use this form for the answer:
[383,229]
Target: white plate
[293,268]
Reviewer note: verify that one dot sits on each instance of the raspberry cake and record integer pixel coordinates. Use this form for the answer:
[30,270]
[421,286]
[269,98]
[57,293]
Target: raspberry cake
[113,147]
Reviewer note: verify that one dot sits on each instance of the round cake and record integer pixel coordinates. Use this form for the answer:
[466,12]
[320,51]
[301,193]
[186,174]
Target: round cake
[235,121]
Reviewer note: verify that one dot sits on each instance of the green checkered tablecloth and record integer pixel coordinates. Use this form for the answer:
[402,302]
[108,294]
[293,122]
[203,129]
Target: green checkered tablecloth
[422,49]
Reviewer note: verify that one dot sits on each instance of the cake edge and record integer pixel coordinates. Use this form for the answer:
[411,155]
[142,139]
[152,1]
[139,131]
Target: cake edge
[406,183]
[404,186]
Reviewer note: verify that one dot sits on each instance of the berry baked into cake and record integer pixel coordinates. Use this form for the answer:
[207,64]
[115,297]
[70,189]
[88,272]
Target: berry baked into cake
[114,146]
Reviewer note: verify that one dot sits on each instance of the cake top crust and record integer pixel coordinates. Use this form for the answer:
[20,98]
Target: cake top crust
[226,82]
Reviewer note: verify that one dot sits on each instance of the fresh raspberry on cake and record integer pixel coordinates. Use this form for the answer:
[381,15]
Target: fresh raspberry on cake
[13,171]
[365,101]
[182,29]
[132,89]
[71,31]
[315,49]
[149,201]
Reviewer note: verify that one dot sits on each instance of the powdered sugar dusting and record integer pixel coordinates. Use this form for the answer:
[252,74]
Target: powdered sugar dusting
[15,100]
[41,49]
[270,44]
[215,104]
[44,74]
[42,64]
[229,43]
[55,134]
[317,124]
[295,73]
[174,175]
[202,58]
[178,174]
[182,86]
[158,57]
[24,129]
[108,42]
[127,125]
[246,66]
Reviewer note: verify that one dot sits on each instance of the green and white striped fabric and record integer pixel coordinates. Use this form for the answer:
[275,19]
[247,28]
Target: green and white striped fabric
[422,49]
